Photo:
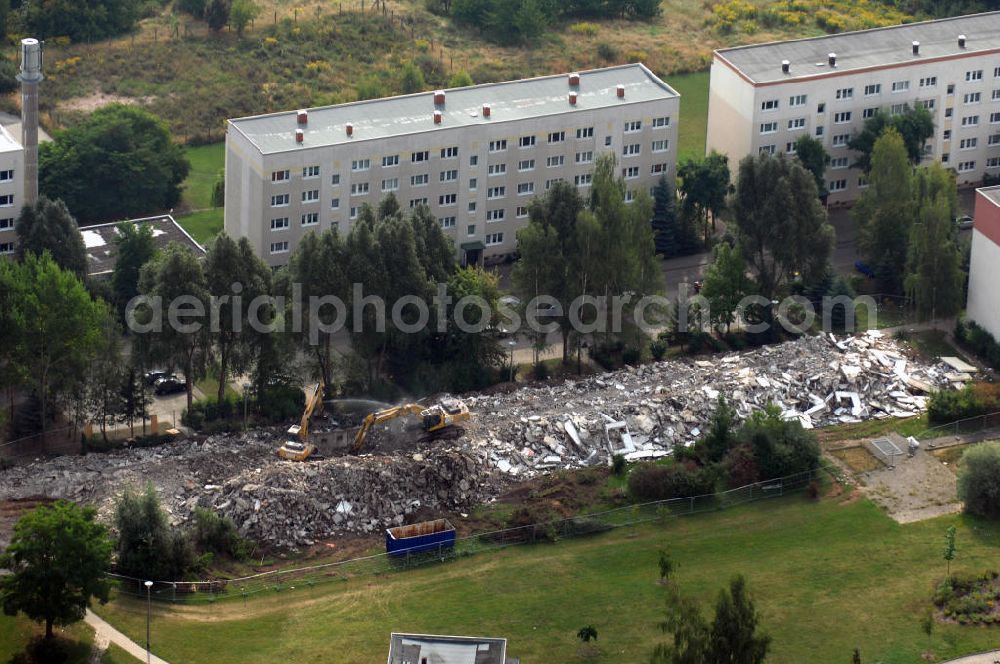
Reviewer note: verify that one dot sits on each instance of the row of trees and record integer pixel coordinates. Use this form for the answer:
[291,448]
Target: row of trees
[600,247]
[219,13]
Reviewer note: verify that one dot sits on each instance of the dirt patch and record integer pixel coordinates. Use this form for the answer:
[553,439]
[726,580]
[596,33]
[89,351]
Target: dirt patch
[918,487]
[94,101]
[858,459]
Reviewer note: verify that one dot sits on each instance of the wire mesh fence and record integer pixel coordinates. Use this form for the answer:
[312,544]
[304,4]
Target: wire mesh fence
[966,426]
[276,581]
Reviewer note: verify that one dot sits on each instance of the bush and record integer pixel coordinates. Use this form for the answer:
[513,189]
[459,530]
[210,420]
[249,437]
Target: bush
[148,547]
[658,349]
[279,402]
[977,340]
[217,535]
[631,356]
[608,354]
[607,52]
[618,465]
[780,447]
[979,480]
[585,28]
[951,405]
[651,482]
[210,410]
[540,371]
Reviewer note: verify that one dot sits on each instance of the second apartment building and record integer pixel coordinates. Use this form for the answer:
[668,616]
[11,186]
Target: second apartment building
[763,97]
[475,156]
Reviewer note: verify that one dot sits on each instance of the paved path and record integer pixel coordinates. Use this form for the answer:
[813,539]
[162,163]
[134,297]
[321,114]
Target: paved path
[982,658]
[104,633]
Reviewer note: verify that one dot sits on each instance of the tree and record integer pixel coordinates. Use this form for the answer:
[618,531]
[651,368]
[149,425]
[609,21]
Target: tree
[195,8]
[725,285]
[217,14]
[934,277]
[884,211]
[914,126]
[80,21]
[949,547]
[666,566]
[119,162]
[242,13]
[665,231]
[57,559]
[814,158]
[234,276]
[460,79]
[719,439]
[13,290]
[148,548]
[411,78]
[472,356]
[174,274]
[104,379]
[979,480]
[733,637]
[587,634]
[780,447]
[687,629]
[781,227]
[60,330]
[134,247]
[317,268]
[530,21]
[48,226]
[704,185]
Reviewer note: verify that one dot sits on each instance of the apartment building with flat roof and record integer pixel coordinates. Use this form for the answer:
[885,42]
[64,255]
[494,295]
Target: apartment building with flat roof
[11,190]
[763,97]
[475,156]
[984,267]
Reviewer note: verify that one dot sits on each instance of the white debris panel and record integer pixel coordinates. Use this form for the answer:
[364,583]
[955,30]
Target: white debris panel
[641,412]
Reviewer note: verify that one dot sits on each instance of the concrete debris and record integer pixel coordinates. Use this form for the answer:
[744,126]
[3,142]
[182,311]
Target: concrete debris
[641,412]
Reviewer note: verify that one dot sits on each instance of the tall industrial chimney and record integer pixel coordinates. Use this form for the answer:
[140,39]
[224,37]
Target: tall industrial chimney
[30,76]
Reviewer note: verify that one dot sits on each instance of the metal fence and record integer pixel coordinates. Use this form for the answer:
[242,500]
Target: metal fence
[969,425]
[382,563]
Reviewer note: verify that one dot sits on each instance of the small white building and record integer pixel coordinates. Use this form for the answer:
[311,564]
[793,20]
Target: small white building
[984,270]
[763,97]
[11,189]
[476,156]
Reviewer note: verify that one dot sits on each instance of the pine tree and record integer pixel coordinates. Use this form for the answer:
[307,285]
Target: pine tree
[49,226]
[665,218]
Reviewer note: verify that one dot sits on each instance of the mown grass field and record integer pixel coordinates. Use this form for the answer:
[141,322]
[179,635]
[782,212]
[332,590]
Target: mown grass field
[16,632]
[693,124]
[207,162]
[827,576]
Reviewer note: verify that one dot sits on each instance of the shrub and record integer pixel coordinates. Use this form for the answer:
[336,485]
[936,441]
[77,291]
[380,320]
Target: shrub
[585,28]
[974,338]
[210,410]
[779,447]
[618,465]
[658,349]
[635,56]
[217,535]
[739,467]
[279,402]
[653,482]
[979,480]
[607,52]
[951,405]
[148,547]
[540,371]
[631,355]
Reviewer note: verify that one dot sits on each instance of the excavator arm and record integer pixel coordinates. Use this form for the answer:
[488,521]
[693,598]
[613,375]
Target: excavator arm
[382,416]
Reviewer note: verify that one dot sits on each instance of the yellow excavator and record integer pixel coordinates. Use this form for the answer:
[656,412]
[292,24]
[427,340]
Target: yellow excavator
[436,420]
[297,447]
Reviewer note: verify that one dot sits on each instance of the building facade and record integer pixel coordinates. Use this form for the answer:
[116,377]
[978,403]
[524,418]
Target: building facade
[475,156]
[984,269]
[763,97]
[11,189]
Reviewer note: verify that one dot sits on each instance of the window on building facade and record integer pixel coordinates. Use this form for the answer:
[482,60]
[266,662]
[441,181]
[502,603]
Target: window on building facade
[279,176]
[310,219]
[361,164]
[279,224]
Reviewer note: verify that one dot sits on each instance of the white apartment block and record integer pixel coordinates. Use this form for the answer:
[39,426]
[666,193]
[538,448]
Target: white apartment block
[763,97]
[476,156]
[11,190]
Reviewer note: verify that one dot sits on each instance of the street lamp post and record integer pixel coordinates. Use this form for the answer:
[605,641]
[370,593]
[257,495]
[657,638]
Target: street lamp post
[149,588]
[511,344]
[246,392]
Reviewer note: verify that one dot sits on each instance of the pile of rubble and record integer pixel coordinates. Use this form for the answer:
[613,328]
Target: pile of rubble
[641,412]
[644,412]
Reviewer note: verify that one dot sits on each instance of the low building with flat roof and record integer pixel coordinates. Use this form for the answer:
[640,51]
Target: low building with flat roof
[763,97]
[476,156]
[99,241]
[431,649]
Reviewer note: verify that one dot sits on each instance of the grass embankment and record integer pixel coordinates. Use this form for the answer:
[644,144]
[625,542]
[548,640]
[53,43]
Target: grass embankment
[827,576]
[17,632]
[308,53]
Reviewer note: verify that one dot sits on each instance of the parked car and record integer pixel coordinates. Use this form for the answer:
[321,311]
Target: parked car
[964,222]
[155,375]
[169,385]
[864,269]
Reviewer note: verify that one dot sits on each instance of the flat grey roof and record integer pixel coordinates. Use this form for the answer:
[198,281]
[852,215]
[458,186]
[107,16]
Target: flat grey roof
[866,48]
[409,114]
[99,240]
[412,648]
[992,193]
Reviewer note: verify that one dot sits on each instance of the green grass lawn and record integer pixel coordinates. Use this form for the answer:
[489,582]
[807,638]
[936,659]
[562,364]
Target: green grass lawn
[693,123]
[827,576]
[204,225]
[16,632]
[207,161]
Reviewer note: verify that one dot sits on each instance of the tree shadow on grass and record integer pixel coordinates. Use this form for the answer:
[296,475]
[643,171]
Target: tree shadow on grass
[56,650]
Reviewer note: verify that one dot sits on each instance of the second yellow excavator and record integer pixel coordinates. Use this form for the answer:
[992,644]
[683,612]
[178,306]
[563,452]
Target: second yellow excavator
[298,447]
[436,420]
